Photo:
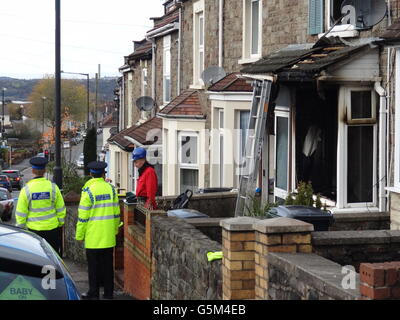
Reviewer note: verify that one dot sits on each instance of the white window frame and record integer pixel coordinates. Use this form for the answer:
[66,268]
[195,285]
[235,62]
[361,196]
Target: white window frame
[198,47]
[342,162]
[247,55]
[282,112]
[221,128]
[239,145]
[187,165]
[145,85]
[397,123]
[167,68]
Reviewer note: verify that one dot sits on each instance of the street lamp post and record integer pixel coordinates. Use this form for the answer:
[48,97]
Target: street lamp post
[43,99]
[87,93]
[2,118]
[58,168]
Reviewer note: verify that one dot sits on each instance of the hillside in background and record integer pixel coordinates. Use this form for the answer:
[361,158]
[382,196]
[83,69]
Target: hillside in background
[20,89]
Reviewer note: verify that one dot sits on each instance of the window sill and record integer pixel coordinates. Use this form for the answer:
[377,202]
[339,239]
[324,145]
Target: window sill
[249,60]
[197,86]
[343,31]
[393,189]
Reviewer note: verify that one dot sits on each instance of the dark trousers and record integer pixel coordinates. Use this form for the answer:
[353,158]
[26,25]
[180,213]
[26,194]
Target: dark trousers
[101,271]
[53,237]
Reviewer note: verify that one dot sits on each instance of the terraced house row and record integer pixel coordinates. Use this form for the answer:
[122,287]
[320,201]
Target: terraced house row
[333,119]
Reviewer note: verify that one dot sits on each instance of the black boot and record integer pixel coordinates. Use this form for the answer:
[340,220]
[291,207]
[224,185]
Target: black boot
[87,296]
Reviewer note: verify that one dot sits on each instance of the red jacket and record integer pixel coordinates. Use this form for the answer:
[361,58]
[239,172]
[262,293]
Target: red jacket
[147,184]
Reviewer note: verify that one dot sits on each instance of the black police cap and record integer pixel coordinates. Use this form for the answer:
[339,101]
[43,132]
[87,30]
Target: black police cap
[38,163]
[97,166]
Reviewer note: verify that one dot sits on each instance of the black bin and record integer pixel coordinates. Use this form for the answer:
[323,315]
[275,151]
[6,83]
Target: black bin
[319,218]
[186,214]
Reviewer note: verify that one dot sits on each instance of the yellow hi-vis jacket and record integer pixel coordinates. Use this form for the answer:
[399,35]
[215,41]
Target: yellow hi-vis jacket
[98,215]
[40,206]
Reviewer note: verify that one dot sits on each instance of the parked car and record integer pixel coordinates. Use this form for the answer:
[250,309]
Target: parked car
[5,182]
[25,258]
[15,177]
[99,130]
[7,204]
[40,154]
[66,145]
[80,161]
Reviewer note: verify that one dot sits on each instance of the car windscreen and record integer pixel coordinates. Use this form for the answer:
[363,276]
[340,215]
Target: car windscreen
[11,174]
[16,286]
[3,195]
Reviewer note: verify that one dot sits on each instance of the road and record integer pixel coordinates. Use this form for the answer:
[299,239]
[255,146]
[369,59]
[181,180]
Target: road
[25,168]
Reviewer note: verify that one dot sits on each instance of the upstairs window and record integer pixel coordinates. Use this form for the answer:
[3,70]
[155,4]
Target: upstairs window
[167,70]
[324,13]
[252,26]
[198,42]
[144,82]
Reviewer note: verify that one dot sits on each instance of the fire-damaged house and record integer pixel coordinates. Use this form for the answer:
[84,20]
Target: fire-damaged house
[326,122]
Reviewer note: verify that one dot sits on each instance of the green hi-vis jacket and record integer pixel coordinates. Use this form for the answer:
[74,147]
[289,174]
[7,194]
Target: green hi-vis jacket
[40,206]
[98,215]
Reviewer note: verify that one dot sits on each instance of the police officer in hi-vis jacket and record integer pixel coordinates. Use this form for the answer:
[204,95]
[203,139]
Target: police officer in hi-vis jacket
[97,226]
[41,207]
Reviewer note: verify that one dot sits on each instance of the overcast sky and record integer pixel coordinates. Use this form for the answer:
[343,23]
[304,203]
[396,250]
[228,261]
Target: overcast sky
[93,32]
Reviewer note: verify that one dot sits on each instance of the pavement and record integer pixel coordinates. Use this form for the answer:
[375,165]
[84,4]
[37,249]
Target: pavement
[79,273]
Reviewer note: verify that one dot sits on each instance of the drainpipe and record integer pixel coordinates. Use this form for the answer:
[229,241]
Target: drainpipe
[221,33]
[153,74]
[382,145]
[178,89]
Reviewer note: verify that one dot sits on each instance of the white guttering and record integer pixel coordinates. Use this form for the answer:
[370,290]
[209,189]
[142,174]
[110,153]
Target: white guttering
[221,33]
[135,142]
[382,145]
[163,30]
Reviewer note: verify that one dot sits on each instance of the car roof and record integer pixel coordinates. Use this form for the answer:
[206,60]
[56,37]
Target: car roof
[9,171]
[23,246]
[4,189]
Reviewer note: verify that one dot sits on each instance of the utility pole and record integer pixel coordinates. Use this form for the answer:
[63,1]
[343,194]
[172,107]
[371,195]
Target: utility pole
[95,102]
[58,168]
[2,119]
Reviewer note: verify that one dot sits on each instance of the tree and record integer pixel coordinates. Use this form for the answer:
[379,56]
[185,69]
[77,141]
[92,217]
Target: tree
[73,100]
[90,148]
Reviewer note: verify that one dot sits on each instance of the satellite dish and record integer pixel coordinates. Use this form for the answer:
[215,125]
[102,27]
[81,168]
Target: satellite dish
[113,131]
[212,75]
[145,103]
[363,14]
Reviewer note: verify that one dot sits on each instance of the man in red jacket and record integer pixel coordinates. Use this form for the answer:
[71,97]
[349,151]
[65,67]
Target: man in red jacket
[147,184]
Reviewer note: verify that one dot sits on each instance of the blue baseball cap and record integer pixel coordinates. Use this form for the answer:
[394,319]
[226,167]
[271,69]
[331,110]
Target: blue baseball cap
[38,163]
[139,153]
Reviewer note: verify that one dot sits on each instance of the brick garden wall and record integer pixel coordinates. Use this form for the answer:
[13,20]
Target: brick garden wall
[180,266]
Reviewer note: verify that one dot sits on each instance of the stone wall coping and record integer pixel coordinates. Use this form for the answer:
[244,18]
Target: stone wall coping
[332,238]
[205,222]
[320,273]
[282,225]
[239,224]
[200,196]
[363,216]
